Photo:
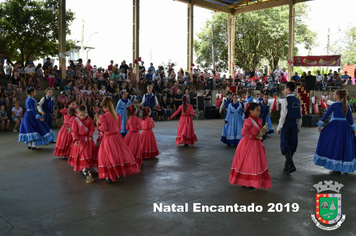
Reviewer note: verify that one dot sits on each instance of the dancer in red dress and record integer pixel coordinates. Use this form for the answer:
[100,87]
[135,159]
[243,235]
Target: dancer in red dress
[185,134]
[249,167]
[114,158]
[132,138]
[64,139]
[82,155]
[149,147]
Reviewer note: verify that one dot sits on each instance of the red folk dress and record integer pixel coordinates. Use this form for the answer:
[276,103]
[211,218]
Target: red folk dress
[64,139]
[132,138]
[185,133]
[249,167]
[114,157]
[83,155]
[149,147]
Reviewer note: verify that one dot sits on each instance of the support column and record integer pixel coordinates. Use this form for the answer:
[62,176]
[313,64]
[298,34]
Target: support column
[190,35]
[291,37]
[62,38]
[231,43]
[136,37]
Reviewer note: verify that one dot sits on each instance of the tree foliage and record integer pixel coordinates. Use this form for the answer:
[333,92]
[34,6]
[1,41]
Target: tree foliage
[259,35]
[346,47]
[30,28]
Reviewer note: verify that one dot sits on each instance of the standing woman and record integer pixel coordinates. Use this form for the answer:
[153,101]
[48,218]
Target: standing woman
[114,157]
[231,133]
[185,134]
[33,130]
[336,146]
[121,106]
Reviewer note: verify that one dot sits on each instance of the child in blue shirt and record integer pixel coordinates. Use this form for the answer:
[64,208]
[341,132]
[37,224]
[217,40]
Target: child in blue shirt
[4,119]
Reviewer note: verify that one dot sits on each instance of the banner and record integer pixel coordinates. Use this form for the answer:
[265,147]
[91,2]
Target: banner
[303,96]
[317,60]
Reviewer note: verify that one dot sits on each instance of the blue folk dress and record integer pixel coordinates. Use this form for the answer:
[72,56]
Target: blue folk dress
[31,128]
[336,146]
[231,132]
[121,110]
[264,115]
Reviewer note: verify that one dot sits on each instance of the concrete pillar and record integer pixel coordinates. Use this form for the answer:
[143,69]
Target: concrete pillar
[291,37]
[190,34]
[231,43]
[62,37]
[136,37]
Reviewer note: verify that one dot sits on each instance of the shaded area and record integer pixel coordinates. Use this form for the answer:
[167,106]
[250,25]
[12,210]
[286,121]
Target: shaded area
[41,195]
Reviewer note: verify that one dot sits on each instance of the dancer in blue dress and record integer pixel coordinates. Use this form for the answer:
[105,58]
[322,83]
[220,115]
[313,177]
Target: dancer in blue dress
[336,146]
[265,108]
[33,130]
[121,110]
[231,133]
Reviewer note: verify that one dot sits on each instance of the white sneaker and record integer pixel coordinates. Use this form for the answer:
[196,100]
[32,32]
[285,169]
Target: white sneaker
[57,88]
[15,131]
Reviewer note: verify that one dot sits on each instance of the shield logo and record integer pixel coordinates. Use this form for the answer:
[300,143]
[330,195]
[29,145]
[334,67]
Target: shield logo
[328,208]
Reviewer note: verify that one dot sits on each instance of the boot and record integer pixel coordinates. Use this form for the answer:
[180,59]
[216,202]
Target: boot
[289,165]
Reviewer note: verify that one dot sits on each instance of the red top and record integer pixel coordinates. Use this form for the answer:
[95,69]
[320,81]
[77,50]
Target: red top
[82,127]
[147,123]
[134,124]
[108,124]
[188,112]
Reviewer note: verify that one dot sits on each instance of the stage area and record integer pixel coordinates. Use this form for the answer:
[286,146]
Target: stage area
[41,195]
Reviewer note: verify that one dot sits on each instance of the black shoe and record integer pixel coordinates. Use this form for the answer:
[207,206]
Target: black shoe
[185,145]
[85,174]
[29,147]
[36,148]
[109,181]
[291,169]
[53,142]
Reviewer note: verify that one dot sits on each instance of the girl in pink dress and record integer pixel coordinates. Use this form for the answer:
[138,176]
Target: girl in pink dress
[149,147]
[64,139]
[249,167]
[82,155]
[132,138]
[185,134]
[114,158]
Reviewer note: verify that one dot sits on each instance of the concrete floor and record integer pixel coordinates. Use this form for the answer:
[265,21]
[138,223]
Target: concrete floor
[41,195]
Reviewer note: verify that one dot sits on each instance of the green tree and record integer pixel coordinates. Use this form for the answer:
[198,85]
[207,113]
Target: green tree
[259,35]
[346,47]
[30,28]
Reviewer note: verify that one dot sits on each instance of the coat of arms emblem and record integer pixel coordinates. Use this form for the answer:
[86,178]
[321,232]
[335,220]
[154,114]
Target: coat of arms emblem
[328,205]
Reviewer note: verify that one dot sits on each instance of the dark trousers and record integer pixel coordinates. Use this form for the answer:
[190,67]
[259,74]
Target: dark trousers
[289,137]
[48,119]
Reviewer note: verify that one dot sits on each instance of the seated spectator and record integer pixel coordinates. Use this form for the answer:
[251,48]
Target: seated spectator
[69,74]
[17,113]
[207,98]
[58,79]
[166,110]
[30,73]
[4,119]
[284,78]
[62,100]
[8,69]
[349,81]
[39,72]
[10,94]
[344,77]
[2,96]
[319,80]
[296,79]
[111,90]
[16,83]
[68,89]
[48,64]
[178,98]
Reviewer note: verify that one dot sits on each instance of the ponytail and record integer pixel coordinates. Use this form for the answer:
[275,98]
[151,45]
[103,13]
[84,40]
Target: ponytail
[108,104]
[145,112]
[130,110]
[342,93]
[185,103]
